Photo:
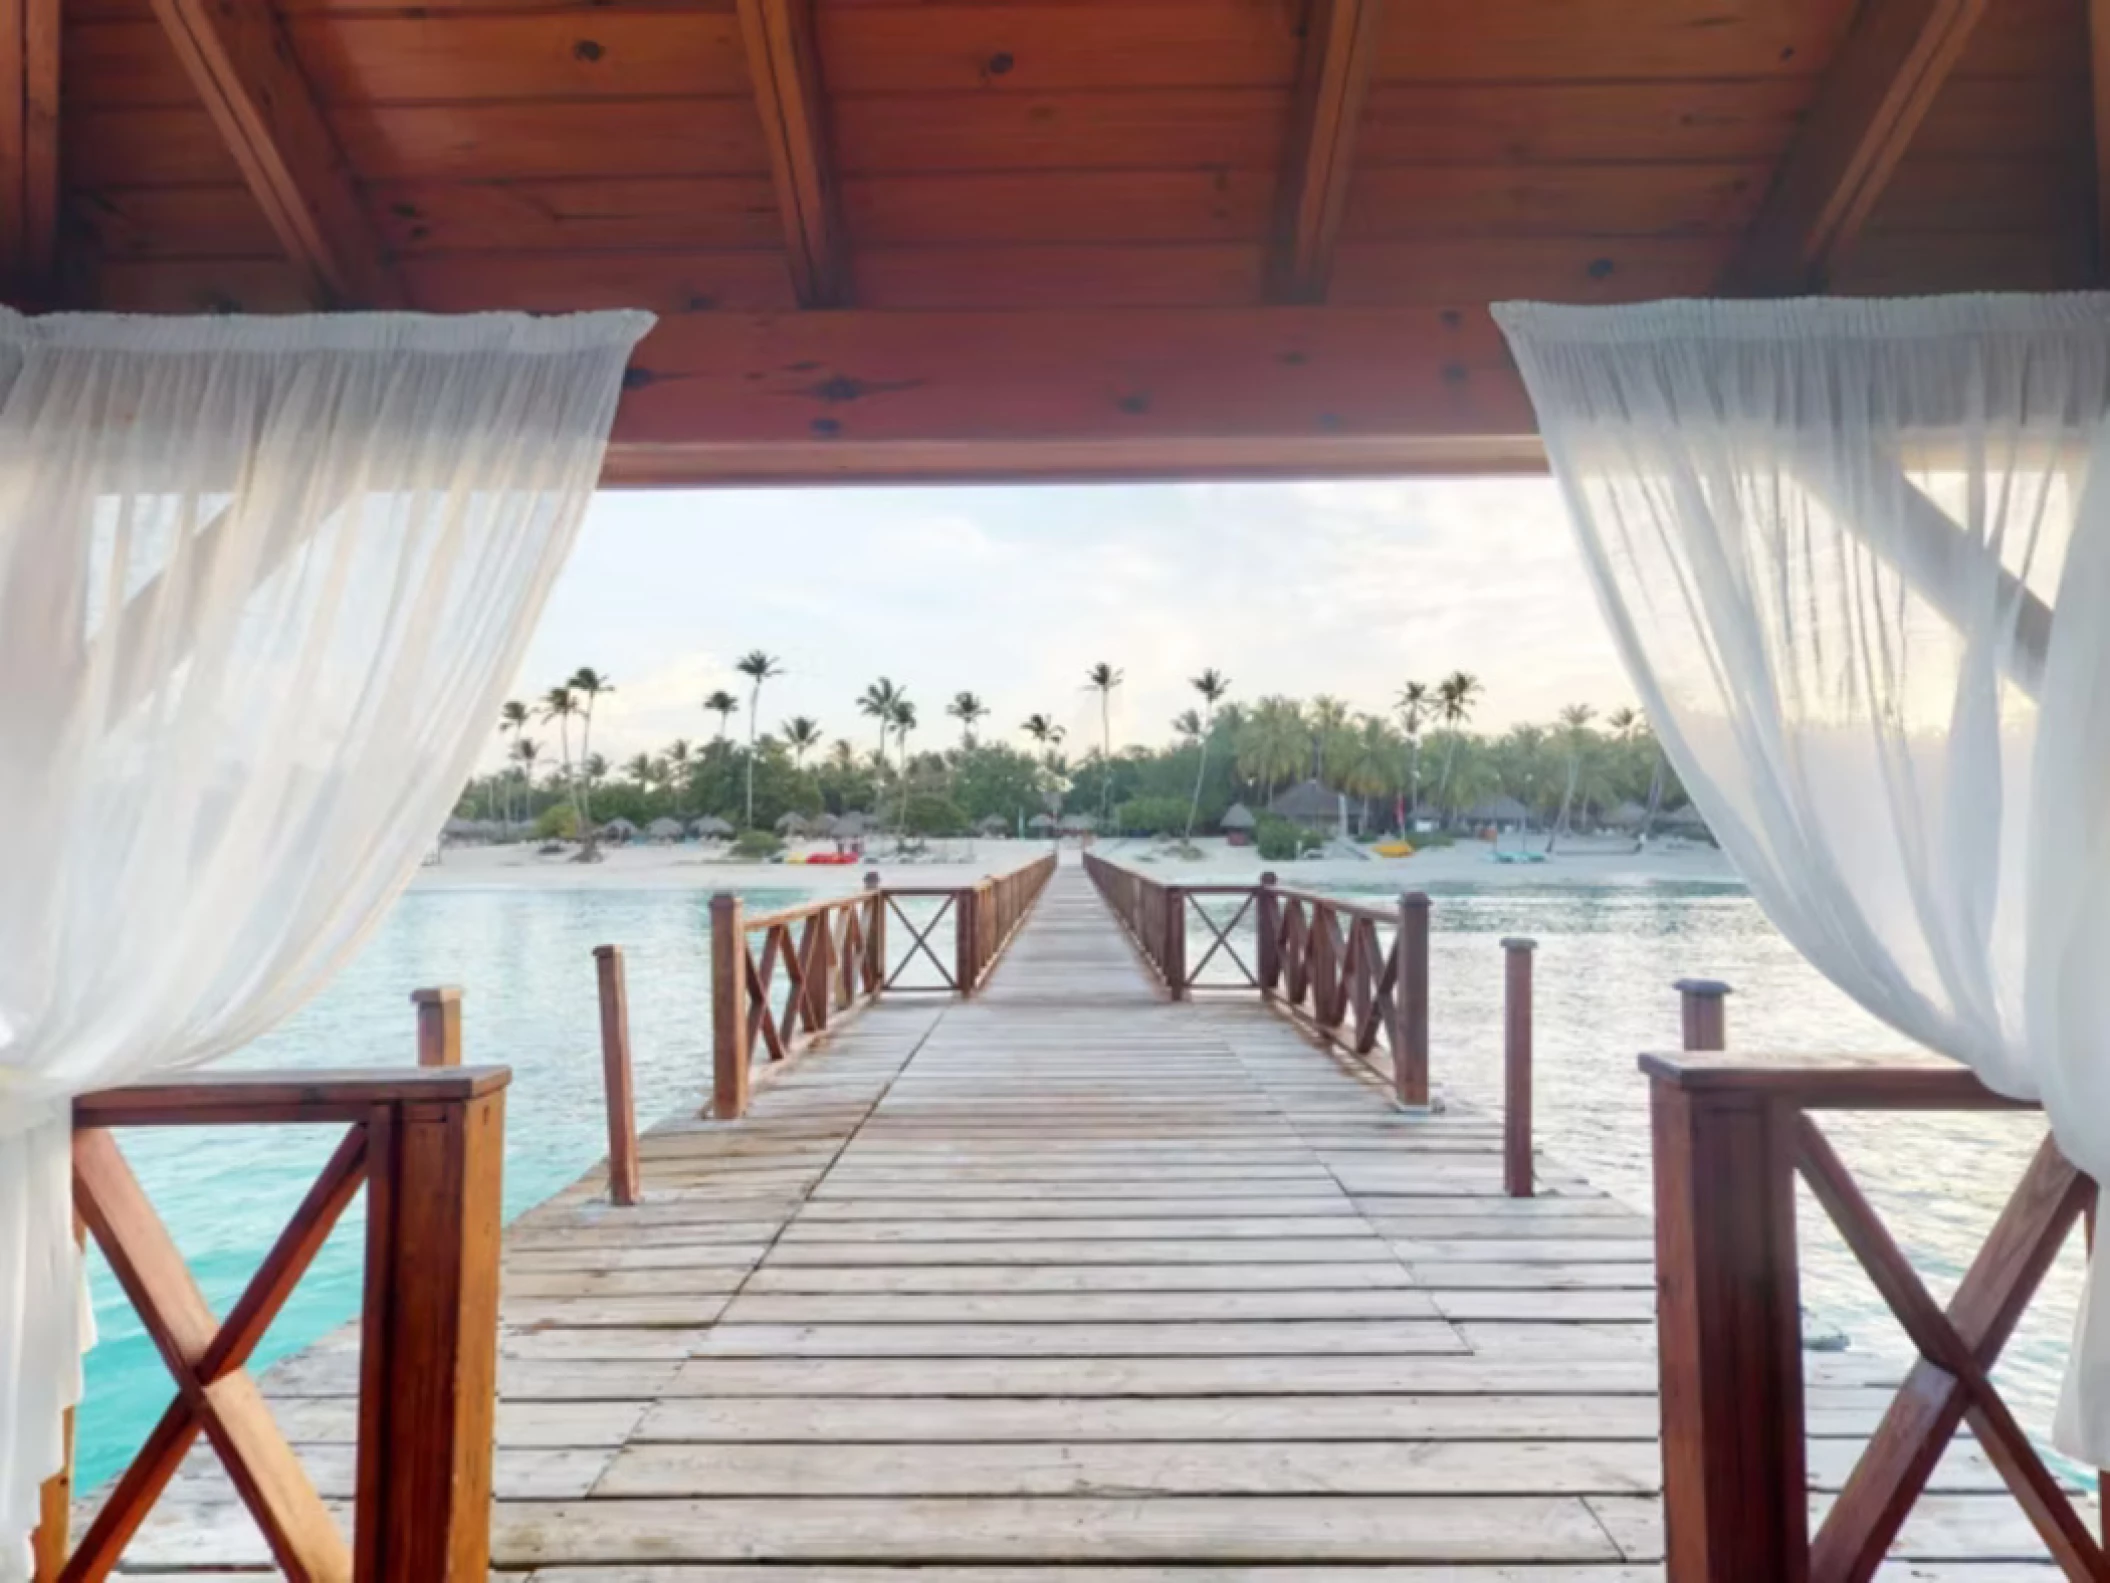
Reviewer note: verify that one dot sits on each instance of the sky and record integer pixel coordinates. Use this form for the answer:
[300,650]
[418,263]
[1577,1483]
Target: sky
[1349,588]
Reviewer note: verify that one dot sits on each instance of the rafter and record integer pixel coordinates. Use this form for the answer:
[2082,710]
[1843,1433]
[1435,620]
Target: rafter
[1872,100]
[1340,44]
[29,147]
[239,59]
[2099,103]
[785,68]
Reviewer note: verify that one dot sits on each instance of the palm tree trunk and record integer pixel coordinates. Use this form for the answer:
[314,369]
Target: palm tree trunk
[1655,801]
[1194,808]
[754,708]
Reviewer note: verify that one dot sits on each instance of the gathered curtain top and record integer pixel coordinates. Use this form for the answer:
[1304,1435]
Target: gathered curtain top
[1888,320]
[394,333]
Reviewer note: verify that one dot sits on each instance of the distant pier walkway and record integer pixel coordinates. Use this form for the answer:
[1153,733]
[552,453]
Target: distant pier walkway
[1067,1276]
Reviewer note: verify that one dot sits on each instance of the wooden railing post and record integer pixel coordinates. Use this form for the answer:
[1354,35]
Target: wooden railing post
[1410,1051]
[966,938]
[439,1025]
[1729,1336]
[729,1053]
[1175,948]
[1703,1010]
[428,1340]
[615,1074]
[1267,919]
[1516,1066]
[875,934]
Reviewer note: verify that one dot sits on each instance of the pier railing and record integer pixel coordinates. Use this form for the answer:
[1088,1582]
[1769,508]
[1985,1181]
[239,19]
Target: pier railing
[1732,1135]
[1354,973]
[426,1145]
[834,959]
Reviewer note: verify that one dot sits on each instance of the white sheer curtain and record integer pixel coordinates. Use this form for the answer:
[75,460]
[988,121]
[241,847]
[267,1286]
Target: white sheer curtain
[262,584]
[1857,558]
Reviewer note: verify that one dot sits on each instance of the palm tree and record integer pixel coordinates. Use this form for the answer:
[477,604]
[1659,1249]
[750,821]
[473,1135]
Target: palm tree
[561,704]
[1332,741]
[639,768]
[589,684]
[967,709]
[514,718]
[1575,726]
[1274,743]
[804,735]
[877,703]
[1103,679]
[679,755]
[1413,707]
[758,666]
[525,753]
[1371,765]
[902,717]
[724,705]
[1455,696]
[1212,684]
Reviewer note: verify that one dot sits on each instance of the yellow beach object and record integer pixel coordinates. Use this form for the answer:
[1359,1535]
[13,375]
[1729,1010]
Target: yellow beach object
[1394,849]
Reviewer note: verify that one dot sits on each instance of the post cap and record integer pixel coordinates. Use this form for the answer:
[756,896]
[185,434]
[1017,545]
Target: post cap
[872,879]
[1414,898]
[1517,942]
[1702,986]
[1267,877]
[605,951]
[438,995]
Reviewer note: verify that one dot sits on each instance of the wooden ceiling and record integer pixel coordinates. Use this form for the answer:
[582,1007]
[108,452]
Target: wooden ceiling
[1045,238]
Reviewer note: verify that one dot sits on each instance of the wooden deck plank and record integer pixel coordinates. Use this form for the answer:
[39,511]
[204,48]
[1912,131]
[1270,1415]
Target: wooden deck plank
[1071,1284]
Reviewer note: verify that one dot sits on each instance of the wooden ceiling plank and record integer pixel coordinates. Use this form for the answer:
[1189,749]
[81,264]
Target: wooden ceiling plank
[29,147]
[1882,83]
[1340,46]
[238,58]
[2099,102]
[784,66]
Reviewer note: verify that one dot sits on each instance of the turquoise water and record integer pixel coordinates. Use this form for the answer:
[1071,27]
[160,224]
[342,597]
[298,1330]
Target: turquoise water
[1607,956]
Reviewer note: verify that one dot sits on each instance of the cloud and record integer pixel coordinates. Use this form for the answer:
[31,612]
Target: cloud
[1342,587]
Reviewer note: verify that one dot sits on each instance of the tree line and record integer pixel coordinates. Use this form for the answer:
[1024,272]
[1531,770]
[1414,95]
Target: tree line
[1419,761]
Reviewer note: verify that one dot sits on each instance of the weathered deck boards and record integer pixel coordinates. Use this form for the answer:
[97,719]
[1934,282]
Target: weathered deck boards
[1069,1277]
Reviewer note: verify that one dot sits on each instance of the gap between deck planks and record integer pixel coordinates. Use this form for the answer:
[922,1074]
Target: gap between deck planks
[1072,1277]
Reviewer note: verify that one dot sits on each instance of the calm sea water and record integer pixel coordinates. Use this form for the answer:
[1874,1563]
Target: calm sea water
[1607,956]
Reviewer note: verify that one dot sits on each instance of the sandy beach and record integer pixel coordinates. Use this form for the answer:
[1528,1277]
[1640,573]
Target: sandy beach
[694,867]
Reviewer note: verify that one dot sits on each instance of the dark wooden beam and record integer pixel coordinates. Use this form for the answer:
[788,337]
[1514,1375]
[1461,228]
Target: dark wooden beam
[1340,44]
[1071,394]
[29,148]
[2099,101]
[1872,100]
[238,57]
[784,65]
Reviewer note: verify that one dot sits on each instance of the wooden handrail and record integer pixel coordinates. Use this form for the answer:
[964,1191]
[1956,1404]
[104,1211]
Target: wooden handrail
[1731,1135]
[427,1146]
[1321,960]
[838,962]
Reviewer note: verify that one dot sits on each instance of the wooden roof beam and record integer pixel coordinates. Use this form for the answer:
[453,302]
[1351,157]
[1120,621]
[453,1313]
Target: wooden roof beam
[237,56]
[2099,100]
[784,64]
[29,148]
[1340,45]
[1873,99]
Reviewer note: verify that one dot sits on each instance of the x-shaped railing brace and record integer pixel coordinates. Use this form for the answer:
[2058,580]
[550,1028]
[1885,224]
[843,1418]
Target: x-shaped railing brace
[1951,1383]
[215,1394]
[921,942]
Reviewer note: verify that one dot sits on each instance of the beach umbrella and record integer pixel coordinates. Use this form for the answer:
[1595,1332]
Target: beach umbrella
[665,829]
[1237,817]
[711,826]
[618,830]
[1041,821]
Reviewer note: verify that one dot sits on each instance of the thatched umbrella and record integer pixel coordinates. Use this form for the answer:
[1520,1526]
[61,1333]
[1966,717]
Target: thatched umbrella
[993,825]
[1237,817]
[1079,824]
[618,830]
[1629,815]
[711,827]
[1041,821]
[820,825]
[849,826]
[792,825]
[665,829]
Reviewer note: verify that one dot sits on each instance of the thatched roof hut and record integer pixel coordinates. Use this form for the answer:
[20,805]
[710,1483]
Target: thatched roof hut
[1078,824]
[1308,803]
[821,825]
[1237,817]
[993,825]
[792,824]
[1498,811]
[665,829]
[711,827]
[1041,821]
[1629,815]
[618,830]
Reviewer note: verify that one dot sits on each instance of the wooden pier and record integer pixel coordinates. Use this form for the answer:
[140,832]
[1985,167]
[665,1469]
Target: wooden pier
[1070,1275]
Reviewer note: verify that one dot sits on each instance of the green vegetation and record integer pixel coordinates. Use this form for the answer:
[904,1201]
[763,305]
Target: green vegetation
[1279,841]
[1420,761]
[751,845]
